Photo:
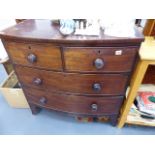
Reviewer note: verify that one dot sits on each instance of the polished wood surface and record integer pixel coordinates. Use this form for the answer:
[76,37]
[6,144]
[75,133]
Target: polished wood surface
[82,75]
[73,82]
[115,59]
[46,31]
[47,56]
[75,104]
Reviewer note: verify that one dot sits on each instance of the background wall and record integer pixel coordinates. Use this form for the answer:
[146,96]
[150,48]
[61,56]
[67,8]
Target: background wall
[3,25]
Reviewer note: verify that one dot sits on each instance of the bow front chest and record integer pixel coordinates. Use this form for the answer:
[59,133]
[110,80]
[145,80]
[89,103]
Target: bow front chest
[79,75]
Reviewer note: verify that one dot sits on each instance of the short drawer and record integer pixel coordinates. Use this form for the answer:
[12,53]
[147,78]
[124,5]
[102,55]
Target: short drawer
[75,104]
[105,84]
[111,59]
[41,55]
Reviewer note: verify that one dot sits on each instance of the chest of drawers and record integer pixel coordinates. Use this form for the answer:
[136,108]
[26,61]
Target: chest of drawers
[79,75]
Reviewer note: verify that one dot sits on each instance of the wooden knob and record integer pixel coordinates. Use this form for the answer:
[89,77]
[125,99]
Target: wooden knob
[37,81]
[94,107]
[99,63]
[43,100]
[97,87]
[32,58]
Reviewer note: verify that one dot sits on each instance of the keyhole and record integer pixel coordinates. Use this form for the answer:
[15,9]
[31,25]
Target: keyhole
[99,52]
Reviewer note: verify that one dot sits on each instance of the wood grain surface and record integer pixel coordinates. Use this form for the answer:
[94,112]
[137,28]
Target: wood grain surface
[111,84]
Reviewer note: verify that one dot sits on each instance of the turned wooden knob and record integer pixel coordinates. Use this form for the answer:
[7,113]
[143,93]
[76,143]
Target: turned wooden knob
[94,107]
[32,58]
[97,87]
[99,63]
[43,100]
[37,81]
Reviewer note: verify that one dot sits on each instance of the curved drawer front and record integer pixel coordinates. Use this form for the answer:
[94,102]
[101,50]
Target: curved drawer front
[75,104]
[105,84]
[116,59]
[41,55]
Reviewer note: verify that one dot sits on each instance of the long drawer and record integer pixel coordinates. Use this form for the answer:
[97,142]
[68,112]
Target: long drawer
[105,84]
[74,104]
[42,55]
[108,59]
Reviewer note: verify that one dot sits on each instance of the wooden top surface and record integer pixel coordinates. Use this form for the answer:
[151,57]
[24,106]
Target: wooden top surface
[46,31]
[147,49]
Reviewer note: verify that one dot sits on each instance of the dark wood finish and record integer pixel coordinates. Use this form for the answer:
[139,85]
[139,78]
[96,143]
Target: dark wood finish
[114,119]
[45,31]
[79,75]
[149,77]
[35,109]
[19,20]
[153,31]
[72,82]
[84,59]
[35,55]
[75,104]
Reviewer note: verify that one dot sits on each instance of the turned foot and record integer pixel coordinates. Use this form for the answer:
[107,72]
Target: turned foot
[35,110]
[114,119]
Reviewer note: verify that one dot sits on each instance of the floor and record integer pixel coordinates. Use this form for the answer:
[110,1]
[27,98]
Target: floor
[22,122]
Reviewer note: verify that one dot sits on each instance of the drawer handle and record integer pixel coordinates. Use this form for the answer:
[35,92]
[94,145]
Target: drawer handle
[32,58]
[37,81]
[97,87]
[94,107]
[99,63]
[43,100]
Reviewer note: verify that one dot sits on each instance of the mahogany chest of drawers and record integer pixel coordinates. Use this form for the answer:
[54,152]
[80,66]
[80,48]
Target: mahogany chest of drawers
[79,75]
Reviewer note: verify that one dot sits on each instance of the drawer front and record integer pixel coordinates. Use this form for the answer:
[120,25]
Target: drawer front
[105,84]
[100,59]
[75,104]
[35,55]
